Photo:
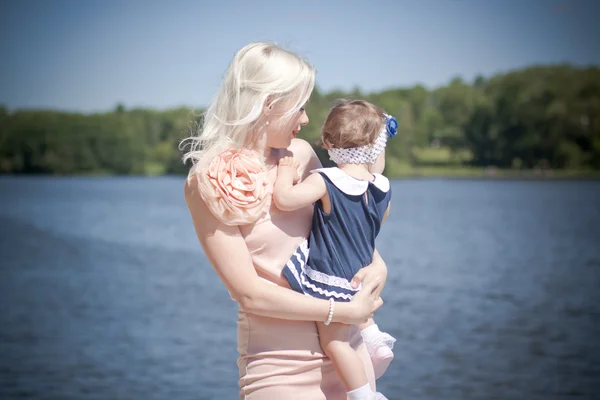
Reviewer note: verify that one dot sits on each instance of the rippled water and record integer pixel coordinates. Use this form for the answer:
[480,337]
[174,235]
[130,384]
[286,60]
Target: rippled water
[493,292]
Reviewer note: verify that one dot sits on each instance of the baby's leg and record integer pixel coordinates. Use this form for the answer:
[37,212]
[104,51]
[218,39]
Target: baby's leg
[334,341]
[367,324]
[379,344]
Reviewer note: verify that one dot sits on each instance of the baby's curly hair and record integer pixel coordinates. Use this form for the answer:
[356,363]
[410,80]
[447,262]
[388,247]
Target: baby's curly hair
[351,123]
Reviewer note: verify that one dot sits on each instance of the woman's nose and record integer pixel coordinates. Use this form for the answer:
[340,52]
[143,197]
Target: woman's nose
[303,118]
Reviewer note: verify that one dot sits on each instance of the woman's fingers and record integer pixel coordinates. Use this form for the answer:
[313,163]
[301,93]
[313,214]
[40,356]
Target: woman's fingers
[371,286]
[369,298]
[378,303]
[378,290]
[358,278]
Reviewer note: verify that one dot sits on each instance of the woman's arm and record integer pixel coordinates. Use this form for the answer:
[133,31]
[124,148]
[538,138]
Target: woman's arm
[376,270]
[227,252]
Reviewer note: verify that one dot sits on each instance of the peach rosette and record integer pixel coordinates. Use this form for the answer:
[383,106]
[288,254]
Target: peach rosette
[235,187]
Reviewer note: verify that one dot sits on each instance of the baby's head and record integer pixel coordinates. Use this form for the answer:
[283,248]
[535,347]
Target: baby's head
[352,123]
[356,132]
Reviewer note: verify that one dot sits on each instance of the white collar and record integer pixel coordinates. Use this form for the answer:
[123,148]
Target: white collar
[353,186]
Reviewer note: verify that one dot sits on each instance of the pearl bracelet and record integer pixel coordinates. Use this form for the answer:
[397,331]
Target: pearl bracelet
[330,316]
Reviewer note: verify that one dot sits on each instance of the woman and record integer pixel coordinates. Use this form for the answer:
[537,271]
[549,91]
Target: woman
[251,123]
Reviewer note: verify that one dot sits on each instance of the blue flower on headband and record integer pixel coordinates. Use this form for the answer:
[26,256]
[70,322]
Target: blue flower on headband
[391,125]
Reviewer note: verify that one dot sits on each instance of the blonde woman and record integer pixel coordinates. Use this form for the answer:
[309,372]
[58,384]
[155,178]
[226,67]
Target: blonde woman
[249,126]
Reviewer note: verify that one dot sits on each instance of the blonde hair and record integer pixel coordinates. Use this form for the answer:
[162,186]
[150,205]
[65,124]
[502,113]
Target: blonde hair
[351,123]
[259,72]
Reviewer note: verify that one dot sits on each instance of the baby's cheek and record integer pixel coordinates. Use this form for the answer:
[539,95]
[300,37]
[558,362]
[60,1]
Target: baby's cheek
[379,164]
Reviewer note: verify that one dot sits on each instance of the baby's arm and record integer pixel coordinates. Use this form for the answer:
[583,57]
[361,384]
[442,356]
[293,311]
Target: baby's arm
[387,213]
[377,168]
[290,197]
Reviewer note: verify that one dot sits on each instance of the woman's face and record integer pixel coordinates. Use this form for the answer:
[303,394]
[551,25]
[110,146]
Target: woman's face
[280,132]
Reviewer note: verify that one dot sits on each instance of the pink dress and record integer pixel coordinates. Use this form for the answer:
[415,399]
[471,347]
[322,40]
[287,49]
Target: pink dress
[282,359]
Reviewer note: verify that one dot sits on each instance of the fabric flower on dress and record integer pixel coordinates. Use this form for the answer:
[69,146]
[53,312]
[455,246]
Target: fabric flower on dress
[235,187]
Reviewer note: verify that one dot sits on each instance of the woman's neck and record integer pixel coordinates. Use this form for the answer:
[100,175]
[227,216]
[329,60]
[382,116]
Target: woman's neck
[270,156]
[264,152]
[257,142]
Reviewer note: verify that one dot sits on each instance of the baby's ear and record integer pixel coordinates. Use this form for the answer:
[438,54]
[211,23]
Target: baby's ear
[322,144]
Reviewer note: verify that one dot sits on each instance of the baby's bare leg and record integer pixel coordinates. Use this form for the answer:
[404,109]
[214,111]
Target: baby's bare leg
[367,324]
[334,341]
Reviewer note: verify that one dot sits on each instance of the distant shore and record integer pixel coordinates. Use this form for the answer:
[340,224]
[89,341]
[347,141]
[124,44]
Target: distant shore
[404,172]
[490,173]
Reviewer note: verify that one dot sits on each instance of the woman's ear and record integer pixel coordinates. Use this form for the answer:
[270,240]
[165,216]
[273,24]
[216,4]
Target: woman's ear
[268,105]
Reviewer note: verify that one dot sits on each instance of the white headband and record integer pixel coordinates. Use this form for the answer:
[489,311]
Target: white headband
[366,154]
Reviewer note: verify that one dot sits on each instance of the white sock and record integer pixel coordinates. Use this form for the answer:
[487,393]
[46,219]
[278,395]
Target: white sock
[362,393]
[370,332]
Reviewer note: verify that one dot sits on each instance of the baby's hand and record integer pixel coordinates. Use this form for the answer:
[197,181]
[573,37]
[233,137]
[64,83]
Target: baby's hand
[289,162]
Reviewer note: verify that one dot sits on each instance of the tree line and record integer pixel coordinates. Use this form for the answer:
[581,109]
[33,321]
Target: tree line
[536,117]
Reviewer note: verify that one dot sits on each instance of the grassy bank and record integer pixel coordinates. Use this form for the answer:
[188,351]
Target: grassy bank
[442,163]
[427,163]
[405,171]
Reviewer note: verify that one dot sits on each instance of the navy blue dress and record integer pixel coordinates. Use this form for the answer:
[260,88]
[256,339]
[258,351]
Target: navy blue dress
[341,242]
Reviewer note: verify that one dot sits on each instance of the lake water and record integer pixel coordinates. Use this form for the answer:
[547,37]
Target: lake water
[493,292]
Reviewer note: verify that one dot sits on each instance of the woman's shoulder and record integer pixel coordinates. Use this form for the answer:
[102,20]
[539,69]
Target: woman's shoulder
[234,187]
[301,149]
[303,152]
[190,187]
[193,197]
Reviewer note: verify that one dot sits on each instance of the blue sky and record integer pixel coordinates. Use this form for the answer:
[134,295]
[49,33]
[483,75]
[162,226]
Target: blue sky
[89,55]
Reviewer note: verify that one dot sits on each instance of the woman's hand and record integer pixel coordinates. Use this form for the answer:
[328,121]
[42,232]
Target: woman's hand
[377,269]
[366,302]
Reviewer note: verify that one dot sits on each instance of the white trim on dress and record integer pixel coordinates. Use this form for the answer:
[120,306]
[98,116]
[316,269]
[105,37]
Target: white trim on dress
[351,185]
